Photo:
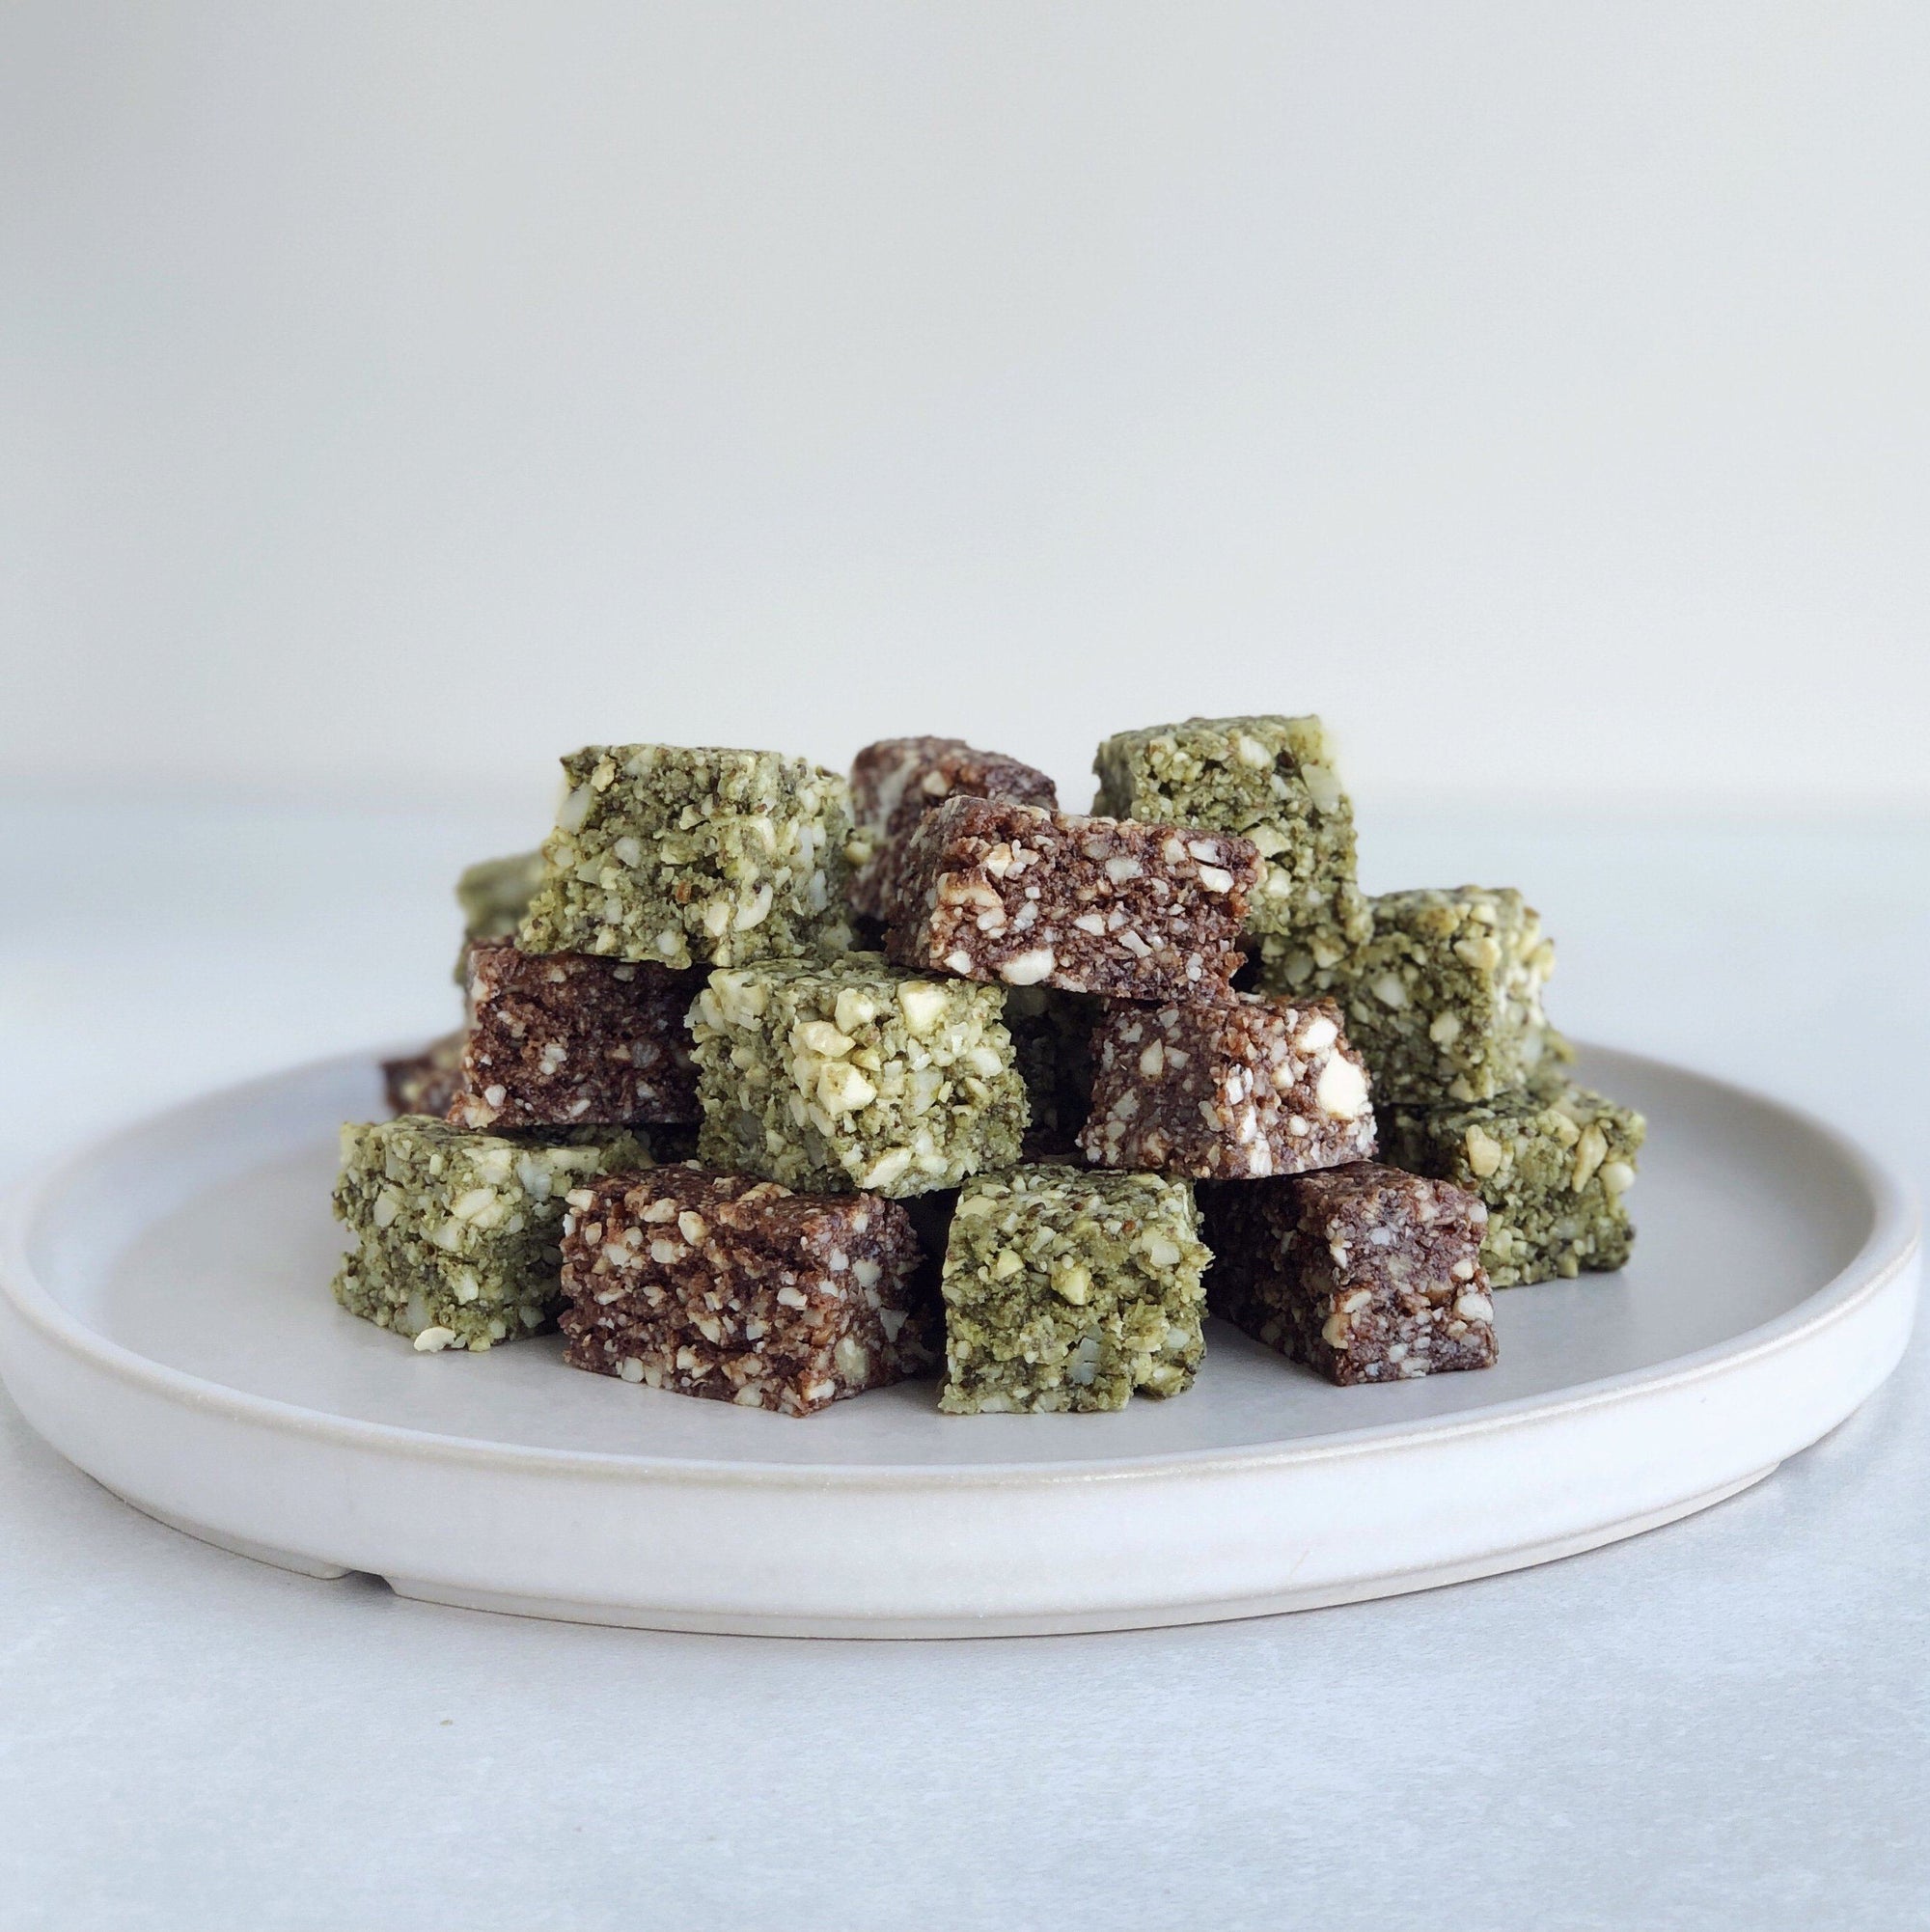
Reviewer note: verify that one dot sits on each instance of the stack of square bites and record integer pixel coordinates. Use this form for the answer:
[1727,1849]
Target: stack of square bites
[775,1089]
[1472,1082]
[1361,1271]
[575,1067]
[1441,991]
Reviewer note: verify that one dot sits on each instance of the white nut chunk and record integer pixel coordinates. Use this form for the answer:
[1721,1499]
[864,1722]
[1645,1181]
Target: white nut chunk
[1028,969]
[923,1005]
[1342,1089]
[1484,1152]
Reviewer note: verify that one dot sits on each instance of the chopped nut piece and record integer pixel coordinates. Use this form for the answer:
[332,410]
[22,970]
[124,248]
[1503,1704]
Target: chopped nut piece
[1240,1086]
[1363,1273]
[1029,898]
[773,1300]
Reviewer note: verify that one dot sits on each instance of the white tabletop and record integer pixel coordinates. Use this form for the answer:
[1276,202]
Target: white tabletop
[1722,1723]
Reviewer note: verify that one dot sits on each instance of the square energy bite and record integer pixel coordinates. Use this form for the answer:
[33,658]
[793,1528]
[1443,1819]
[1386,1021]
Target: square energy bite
[493,893]
[992,890]
[1554,1165]
[1052,1035]
[425,1082]
[560,1039]
[1273,781]
[1444,1000]
[455,1237]
[738,1289]
[896,781]
[846,1073]
[681,856]
[1228,1089]
[1363,1273]
[1069,1289]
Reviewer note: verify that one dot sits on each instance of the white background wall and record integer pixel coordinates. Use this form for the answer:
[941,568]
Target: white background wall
[396,393]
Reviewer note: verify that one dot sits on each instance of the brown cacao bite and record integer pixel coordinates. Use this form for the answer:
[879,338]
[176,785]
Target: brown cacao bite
[570,1039]
[1051,1040]
[1013,893]
[1228,1089]
[1364,1273]
[425,1082]
[739,1291]
[896,781]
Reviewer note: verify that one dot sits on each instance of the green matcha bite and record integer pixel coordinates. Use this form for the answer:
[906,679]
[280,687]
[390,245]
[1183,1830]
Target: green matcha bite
[845,1073]
[494,894]
[685,856]
[1069,1290]
[1444,1001]
[1553,1163]
[455,1238]
[1271,780]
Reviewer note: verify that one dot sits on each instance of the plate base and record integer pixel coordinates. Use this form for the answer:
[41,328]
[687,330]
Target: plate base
[238,1546]
[730,1624]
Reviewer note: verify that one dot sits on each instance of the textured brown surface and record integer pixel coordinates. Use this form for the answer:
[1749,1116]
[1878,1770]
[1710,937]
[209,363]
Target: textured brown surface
[425,1082]
[741,1292]
[993,891]
[1364,1273]
[567,1040]
[896,781]
[1227,1089]
[1052,1039]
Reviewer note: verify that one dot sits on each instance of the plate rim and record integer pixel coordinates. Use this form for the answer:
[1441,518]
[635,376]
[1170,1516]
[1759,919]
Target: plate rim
[1894,1239]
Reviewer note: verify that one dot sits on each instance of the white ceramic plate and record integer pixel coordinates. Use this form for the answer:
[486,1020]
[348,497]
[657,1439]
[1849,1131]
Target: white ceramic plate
[165,1322]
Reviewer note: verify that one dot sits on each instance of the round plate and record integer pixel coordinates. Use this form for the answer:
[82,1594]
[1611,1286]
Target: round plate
[165,1322]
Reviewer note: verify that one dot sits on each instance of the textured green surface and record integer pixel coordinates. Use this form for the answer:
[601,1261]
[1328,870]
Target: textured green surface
[693,856]
[1271,780]
[848,1073]
[1444,1000]
[1554,1164]
[455,1237]
[494,894]
[1071,1289]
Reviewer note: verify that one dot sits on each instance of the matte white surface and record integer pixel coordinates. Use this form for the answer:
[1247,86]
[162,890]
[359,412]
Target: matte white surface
[1723,1725]
[1539,393]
